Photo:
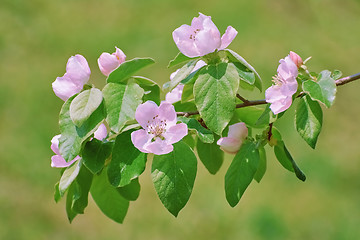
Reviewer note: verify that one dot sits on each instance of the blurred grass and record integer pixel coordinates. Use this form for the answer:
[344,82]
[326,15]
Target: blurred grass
[36,39]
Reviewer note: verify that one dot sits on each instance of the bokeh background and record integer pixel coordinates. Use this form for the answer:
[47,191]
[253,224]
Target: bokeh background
[38,36]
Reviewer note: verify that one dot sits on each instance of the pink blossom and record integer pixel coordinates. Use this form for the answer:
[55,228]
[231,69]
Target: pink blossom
[296,59]
[58,161]
[160,130]
[236,135]
[202,37]
[280,94]
[76,76]
[109,62]
[175,94]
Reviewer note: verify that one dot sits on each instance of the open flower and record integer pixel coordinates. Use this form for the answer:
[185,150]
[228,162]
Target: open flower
[280,94]
[160,128]
[77,74]
[175,95]
[109,62]
[58,161]
[236,135]
[202,37]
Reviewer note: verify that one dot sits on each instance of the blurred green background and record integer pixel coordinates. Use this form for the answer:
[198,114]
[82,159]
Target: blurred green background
[38,36]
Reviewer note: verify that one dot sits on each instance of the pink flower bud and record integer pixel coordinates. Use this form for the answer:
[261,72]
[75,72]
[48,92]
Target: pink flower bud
[296,59]
[236,135]
[109,62]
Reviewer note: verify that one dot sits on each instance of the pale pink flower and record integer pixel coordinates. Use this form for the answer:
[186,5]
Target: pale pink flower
[160,128]
[202,37]
[76,76]
[280,94]
[175,95]
[296,59]
[58,161]
[236,136]
[109,62]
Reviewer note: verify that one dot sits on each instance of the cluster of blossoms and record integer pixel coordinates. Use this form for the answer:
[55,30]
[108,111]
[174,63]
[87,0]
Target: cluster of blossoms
[280,94]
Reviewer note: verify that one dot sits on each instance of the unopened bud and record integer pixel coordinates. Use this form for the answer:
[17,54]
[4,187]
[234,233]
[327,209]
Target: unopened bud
[296,59]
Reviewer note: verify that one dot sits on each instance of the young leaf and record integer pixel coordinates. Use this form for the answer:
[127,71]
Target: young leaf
[127,69]
[204,134]
[182,73]
[95,153]
[262,165]
[81,191]
[121,101]
[215,93]
[131,191]
[286,160]
[234,57]
[69,176]
[69,142]
[84,105]
[127,162]
[323,90]
[151,88]
[308,120]
[173,175]
[180,58]
[241,172]
[336,74]
[210,155]
[108,198]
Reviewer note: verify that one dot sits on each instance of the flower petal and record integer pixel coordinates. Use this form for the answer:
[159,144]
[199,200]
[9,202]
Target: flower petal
[107,63]
[274,93]
[101,132]
[281,105]
[77,69]
[207,41]
[55,144]
[175,133]
[58,161]
[175,94]
[141,139]
[120,55]
[64,87]
[146,112]
[159,147]
[228,37]
[229,145]
[296,59]
[183,38]
[167,112]
[287,69]
[238,131]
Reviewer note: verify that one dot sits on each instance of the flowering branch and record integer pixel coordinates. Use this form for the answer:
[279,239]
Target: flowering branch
[247,103]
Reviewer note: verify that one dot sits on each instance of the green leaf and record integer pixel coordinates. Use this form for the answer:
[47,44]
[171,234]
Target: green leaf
[284,157]
[131,191]
[69,201]
[69,142]
[308,120]
[244,74]
[215,94]
[250,116]
[127,162]
[182,73]
[241,172]
[180,58]
[185,107]
[57,195]
[210,155]
[262,165]
[173,175]
[108,198]
[189,140]
[95,153]
[81,191]
[234,57]
[121,101]
[323,90]
[336,74]
[69,176]
[151,88]
[204,134]
[187,94]
[84,105]
[127,69]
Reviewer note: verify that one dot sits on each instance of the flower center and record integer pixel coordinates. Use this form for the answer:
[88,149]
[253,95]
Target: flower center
[156,127]
[192,37]
[277,80]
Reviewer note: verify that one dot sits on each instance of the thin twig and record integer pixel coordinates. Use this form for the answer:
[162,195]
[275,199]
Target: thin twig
[247,103]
